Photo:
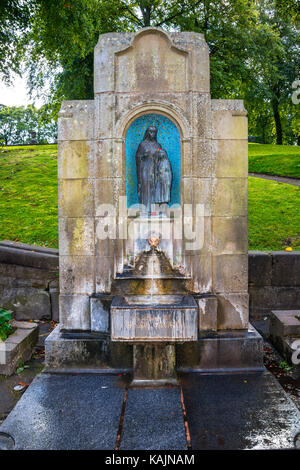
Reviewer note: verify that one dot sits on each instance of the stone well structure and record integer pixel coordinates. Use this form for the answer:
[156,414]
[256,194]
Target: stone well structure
[153,78]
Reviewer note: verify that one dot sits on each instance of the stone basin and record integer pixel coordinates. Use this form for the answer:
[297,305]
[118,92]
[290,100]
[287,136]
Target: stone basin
[169,318]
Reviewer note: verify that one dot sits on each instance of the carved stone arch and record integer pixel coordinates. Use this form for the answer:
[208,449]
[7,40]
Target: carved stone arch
[172,112]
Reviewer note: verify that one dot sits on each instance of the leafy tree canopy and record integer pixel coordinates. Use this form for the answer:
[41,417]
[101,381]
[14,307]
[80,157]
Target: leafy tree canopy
[254,47]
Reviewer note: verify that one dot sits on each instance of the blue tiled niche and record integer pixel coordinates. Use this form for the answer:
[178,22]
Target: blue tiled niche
[169,138]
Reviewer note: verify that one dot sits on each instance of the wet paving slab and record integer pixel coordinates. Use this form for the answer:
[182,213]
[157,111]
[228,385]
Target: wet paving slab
[60,412]
[153,420]
[239,411]
[90,411]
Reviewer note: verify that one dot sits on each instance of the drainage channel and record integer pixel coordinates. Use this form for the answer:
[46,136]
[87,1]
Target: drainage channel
[122,417]
[121,422]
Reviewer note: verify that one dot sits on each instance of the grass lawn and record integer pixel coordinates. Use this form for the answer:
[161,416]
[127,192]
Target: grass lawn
[280,160]
[28,200]
[274,215]
[28,195]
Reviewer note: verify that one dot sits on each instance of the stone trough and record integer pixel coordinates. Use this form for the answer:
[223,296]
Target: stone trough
[168,318]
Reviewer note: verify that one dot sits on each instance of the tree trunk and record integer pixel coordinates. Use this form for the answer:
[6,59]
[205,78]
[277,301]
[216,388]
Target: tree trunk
[263,133]
[277,119]
[146,12]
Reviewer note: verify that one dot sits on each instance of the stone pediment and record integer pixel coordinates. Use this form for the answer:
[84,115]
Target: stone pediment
[151,62]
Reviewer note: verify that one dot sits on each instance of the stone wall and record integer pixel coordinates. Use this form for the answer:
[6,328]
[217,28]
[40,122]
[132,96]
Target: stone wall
[29,281]
[274,281]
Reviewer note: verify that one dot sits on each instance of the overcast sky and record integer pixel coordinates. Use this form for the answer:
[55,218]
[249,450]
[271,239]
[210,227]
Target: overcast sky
[16,95]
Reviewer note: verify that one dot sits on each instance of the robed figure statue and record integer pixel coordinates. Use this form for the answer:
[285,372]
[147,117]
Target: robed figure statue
[154,173]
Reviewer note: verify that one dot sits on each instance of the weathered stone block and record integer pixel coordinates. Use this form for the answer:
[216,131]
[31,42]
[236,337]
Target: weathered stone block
[230,158]
[187,158]
[100,313]
[233,311]
[88,352]
[229,120]
[197,239]
[285,323]
[76,198]
[260,268]
[201,273]
[77,274]
[187,190]
[104,271]
[230,235]
[207,310]
[201,116]
[161,66]
[75,159]
[154,363]
[230,273]
[26,302]
[108,191]
[104,116]
[18,346]
[54,299]
[202,194]
[12,275]
[74,312]
[108,159]
[76,236]
[105,247]
[230,197]
[262,298]
[285,333]
[174,320]
[285,269]
[22,254]
[222,351]
[76,120]
[287,297]
[198,50]
[104,58]
[202,158]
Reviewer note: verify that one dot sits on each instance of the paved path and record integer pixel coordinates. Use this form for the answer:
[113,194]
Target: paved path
[279,179]
[89,411]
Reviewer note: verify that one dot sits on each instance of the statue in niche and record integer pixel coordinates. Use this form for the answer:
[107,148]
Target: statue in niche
[163,177]
[154,172]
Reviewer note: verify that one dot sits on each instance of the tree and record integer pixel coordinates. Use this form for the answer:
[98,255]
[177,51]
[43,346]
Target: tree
[14,19]
[274,64]
[254,49]
[19,125]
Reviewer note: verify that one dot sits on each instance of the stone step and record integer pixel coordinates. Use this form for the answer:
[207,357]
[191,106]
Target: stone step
[285,334]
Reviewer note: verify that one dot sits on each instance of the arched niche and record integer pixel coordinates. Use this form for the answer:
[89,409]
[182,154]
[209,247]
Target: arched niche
[169,138]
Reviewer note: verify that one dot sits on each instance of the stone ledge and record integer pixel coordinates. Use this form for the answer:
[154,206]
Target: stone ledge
[28,255]
[222,351]
[18,346]
[89,352]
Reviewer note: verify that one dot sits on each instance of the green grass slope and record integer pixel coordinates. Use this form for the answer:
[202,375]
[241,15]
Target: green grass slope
[280,160]
[28,200]
[274,215]
[28,195]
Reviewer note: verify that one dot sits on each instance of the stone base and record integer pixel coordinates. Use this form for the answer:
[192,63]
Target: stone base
[221,351]
[214,352]
[17,348]
[154,364]
[285,334]
[85,350]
